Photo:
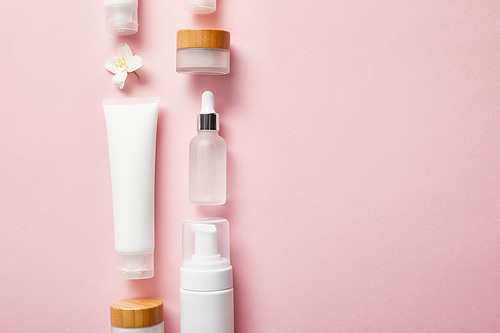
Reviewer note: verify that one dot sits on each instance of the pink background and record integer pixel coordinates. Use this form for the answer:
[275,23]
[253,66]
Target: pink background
[363,163]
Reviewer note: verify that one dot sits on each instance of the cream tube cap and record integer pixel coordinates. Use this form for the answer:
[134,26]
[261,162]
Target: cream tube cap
[135,265]
[121,16]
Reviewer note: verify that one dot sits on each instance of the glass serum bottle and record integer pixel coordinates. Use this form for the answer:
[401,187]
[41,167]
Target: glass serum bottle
[207,158]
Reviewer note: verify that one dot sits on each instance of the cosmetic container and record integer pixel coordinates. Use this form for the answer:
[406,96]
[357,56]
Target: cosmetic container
[203,51]
[131,130]
[200,6]
[206,277]
[121,16]
[137,315]
[207,158]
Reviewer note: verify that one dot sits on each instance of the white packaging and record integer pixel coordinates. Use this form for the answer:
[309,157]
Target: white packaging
[121,16]
[131,130]
[206,293]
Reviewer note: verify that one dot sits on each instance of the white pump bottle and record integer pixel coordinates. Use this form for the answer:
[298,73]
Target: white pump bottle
[207,158]
[206,293]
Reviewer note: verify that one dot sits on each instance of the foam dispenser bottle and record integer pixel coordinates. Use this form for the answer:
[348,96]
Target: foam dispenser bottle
[206,293]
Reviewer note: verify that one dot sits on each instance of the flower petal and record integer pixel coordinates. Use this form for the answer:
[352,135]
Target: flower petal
[135,63]
[124,51]
[119,79]
[111,65]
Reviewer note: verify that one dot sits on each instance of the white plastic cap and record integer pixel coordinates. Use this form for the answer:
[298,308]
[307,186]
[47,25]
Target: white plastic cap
[135,265]
[207,102]
[121,16]
[200,6]
[206,265]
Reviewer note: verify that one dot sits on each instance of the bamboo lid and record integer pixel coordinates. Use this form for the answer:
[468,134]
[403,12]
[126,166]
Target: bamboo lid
[136,312]
[204,38]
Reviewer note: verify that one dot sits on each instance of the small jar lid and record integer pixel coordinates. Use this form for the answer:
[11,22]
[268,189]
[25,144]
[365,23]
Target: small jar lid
[136,312]
[203,38]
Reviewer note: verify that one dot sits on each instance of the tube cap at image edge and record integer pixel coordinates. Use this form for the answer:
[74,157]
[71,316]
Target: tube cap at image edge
[135,265]
[121,17]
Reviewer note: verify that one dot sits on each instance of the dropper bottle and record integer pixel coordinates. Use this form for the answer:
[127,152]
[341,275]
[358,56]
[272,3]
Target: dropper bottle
[207,158]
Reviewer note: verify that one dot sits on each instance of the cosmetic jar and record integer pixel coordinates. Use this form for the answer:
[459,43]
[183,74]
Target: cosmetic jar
[203,51]
[121,16]
[137,315]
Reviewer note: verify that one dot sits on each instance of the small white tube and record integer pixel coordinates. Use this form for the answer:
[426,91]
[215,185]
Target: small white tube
[131,129]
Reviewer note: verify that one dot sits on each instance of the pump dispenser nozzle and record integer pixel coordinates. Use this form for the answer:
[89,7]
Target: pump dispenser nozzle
[205,240]
[206,254]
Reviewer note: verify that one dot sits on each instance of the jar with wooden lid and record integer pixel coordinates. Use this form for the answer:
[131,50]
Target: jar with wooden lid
[137,315]
[203,51]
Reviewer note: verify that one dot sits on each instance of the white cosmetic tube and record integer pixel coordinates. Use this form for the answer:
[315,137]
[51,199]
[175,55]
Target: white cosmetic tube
[131,129]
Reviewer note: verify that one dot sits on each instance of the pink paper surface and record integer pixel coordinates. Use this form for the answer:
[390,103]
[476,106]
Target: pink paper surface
[363,163]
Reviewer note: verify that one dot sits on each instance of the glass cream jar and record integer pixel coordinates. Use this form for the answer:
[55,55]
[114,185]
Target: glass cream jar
[203,51]
[200,6]
[137,315]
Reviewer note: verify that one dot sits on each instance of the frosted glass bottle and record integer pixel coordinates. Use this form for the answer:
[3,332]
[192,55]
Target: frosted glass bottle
[207,158]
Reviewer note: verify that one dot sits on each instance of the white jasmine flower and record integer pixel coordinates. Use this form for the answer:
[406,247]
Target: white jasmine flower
[125,63]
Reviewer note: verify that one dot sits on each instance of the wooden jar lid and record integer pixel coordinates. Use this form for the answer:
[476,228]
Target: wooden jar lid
[136,312]
[204,38]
